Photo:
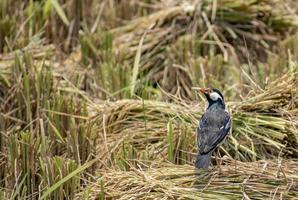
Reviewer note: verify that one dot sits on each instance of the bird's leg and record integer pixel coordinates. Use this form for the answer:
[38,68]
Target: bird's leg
[218,159]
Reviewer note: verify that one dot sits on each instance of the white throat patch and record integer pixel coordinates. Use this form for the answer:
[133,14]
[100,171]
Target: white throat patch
[214,96]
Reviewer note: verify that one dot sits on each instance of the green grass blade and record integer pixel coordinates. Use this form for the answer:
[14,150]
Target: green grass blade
[66,178]
[136,66]
[60,12]
[17,191]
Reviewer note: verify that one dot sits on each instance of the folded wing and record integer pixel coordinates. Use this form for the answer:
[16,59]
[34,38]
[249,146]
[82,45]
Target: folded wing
[213,128]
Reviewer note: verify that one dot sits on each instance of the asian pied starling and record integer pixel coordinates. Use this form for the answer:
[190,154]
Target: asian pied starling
[213,127]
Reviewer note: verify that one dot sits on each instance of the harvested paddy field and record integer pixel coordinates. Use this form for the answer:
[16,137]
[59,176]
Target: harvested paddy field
[97,99]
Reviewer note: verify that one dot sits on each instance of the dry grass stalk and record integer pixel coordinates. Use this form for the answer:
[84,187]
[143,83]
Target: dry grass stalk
[280,95]
[234,180]
[263,126]
[242,32]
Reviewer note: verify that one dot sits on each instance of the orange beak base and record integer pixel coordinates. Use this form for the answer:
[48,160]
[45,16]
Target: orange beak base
[205,90]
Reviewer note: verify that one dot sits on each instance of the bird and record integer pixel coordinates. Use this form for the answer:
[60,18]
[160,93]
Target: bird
[213,127]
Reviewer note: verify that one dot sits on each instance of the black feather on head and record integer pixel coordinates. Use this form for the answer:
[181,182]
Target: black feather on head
[219,102]
[217,91]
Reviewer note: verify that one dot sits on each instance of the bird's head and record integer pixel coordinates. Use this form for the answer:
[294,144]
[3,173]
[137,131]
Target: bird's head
[213,96]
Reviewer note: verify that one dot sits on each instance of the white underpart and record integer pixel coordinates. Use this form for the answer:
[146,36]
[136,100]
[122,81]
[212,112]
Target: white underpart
[214,96]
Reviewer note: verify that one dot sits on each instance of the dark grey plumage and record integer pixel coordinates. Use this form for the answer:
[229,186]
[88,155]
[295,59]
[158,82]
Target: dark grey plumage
[213,127]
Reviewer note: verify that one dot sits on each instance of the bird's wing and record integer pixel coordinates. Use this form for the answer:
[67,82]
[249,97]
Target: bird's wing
[212,130]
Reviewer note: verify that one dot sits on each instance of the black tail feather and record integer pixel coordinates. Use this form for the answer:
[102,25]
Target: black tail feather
[203,160]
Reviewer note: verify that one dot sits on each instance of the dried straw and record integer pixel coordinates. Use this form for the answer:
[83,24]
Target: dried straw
[264,126]
[234,180]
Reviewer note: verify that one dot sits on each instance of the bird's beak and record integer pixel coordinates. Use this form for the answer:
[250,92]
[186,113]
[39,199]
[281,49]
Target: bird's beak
[203,90]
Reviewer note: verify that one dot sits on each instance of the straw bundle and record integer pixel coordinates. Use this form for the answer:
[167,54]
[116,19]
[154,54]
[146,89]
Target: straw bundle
[236,180]
[175,41]
[263,126]
[280,95]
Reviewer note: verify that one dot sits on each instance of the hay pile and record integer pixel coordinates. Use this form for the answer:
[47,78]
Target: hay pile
[223,22]
[188,41]
[264,126]
[234,180]
[278,96]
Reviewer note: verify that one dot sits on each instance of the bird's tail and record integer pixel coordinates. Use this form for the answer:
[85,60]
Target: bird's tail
[203,160]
